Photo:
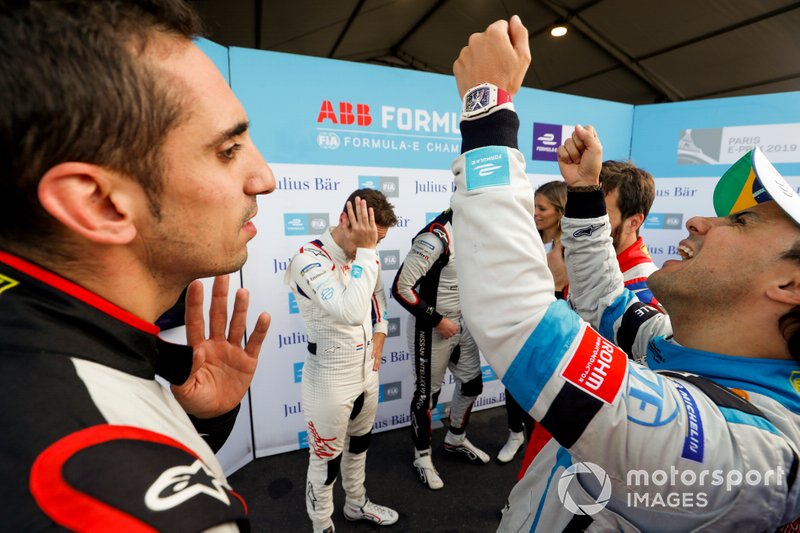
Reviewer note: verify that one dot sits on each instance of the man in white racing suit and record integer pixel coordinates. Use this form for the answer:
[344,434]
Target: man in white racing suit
[632,448]
[337,283]
[427,287]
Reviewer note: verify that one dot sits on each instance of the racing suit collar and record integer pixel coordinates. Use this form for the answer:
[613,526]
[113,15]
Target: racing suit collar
[336,252]
[44,312]
[633,255]
[776,378]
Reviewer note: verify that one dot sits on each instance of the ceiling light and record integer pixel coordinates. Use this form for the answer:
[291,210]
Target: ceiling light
[558,31]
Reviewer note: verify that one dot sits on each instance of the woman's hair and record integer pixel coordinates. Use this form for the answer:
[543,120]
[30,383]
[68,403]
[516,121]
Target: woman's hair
[556,194]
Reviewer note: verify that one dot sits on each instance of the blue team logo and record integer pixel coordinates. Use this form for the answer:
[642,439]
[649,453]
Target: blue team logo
[388,185]
[327,293]
[302,440]
[648,404]
[298,372]
[305,223]
[293,309]
[356,272]
[487,167]
[487,374]
[664,221]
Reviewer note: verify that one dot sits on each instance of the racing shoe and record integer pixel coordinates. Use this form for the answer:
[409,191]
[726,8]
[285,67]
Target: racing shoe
[378,514]
[460,444]
[515,441]
[426,471]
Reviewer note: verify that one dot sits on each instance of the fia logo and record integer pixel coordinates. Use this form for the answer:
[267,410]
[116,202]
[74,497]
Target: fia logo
[394,327]
[388,185]
[327,140]
[390,259]
[390,391]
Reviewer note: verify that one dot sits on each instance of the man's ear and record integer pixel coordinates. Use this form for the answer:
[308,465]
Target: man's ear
[86,198]
[344,221]
[634,222]
[786,288]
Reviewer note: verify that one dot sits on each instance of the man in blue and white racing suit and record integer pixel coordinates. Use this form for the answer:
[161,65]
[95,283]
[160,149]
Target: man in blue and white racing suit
[337,282]
[659,446]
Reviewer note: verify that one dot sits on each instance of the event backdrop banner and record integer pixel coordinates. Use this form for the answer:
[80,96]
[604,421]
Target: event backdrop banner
[329,127]
[687,146]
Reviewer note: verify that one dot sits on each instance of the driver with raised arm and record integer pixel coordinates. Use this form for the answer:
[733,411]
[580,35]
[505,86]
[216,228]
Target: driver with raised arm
[662,447]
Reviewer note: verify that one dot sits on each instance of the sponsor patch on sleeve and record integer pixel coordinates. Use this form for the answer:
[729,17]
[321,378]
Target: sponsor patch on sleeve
[356,272]
[487,167]
[693,442]
[597,367]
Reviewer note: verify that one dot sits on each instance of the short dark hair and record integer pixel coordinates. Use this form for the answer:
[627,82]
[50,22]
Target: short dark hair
[637,188]
[75,88]
[384,211]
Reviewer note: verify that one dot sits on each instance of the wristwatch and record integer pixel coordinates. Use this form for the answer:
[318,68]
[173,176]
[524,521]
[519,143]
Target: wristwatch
[483,100]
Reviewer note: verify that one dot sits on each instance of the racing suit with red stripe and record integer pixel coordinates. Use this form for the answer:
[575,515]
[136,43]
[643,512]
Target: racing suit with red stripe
[426,285]
[338,299]
[93,442]
[618,427]
[636,266]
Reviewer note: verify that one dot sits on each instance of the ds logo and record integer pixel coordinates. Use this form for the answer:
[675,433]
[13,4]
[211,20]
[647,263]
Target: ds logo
[346,116]
[327,140]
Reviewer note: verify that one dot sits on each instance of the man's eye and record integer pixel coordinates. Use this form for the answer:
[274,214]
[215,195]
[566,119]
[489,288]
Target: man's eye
[230,153]
[740,219]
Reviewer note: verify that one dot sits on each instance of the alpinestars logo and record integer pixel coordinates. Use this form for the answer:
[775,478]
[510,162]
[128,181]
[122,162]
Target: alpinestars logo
[588,230]
[179,484]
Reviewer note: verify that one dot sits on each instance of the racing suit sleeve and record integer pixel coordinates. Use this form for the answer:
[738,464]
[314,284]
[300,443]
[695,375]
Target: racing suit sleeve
[597,290]
[215,431]
[599,406]
[425,250]
[314,277]
[379,324]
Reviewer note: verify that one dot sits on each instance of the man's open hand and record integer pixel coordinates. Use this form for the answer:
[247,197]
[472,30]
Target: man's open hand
[221,368]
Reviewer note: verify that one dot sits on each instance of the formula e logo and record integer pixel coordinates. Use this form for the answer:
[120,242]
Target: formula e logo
[487,169]
[327,140]
[305,223]
[179,484]
[548,139]
[388,185]
[361,117]
[568,479]
[390,259]
[588,230]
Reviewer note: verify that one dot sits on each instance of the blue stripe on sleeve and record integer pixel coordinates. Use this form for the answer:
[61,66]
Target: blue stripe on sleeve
[539,357]
[613,312]
[734,416]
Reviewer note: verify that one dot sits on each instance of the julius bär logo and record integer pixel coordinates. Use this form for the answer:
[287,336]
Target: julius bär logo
[361,117]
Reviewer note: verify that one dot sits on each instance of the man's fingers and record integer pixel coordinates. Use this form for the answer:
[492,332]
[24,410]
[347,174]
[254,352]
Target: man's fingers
[351,216]
[256,339]
[577,137]
[218,313]
[239,317]
[519,37]
[193,317]
[573,151]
